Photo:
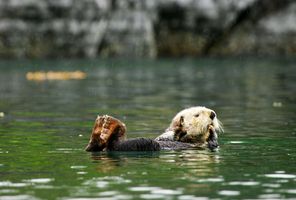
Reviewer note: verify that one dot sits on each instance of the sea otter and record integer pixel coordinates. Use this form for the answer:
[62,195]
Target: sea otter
[194,127]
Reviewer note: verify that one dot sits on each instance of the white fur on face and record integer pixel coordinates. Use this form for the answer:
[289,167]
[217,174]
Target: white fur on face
[195,121]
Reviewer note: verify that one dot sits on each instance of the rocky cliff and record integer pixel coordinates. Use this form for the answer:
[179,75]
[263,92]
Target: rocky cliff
[146,28]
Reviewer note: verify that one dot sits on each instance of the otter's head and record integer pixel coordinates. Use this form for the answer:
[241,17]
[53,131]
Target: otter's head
[197,125]
[104,128]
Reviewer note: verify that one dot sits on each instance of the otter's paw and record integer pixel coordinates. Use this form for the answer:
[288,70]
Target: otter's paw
[105,126]
[212,138]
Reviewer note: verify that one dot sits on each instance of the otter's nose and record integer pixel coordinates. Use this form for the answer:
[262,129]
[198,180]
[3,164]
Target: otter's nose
[212,115]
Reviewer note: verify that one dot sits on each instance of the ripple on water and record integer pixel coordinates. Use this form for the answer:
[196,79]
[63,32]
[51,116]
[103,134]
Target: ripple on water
[18,197]
[271,185]
[108,193]
[64,150]
[143,188]
[244,183]
[81,172]
[191,197]
[7,191]
[269,196]
[215,180]
[103,182]
[280,176]
[290,191]
[229,193]
[39,180]
[10,184]
[152,196]
[78,167]
[166,192]
[236,142]
[155,192]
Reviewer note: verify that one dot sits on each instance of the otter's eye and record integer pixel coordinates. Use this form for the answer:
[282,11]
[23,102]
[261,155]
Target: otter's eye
[197,115]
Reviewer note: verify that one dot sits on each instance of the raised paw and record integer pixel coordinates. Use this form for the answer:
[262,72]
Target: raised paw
[105,126]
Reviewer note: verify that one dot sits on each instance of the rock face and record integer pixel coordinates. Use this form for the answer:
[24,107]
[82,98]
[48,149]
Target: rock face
[146,28]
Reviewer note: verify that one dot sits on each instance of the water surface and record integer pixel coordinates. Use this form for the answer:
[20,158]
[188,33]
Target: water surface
[46,125]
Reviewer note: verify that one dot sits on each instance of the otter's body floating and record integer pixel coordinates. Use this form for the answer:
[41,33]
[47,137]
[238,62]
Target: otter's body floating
[194,127]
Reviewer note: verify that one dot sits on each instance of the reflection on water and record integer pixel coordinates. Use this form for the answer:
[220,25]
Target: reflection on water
[45,125]
[147,174]
[108,161]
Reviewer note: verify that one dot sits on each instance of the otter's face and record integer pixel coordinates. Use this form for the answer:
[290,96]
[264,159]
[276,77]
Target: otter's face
[104,128]
[197,125]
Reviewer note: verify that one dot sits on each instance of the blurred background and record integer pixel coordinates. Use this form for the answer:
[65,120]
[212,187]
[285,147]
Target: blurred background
[146,28]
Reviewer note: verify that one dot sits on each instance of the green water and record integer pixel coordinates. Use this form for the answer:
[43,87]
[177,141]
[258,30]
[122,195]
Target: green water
[46,126]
